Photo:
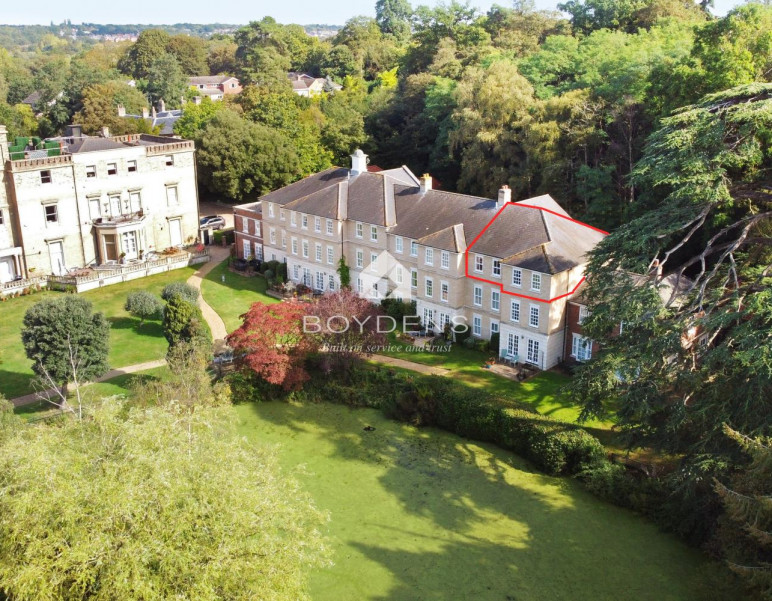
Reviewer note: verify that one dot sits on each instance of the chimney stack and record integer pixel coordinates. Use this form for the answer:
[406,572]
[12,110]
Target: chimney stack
[197,100]
[121,110]
[161,106]
[505,196]
[359,162]
[145,112]
[426,183]
[105,132]
[152,112]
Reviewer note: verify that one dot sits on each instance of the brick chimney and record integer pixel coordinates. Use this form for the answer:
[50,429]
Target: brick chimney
[505,196]
[145,112]
[161,106]
[152,112]
[121,110]
[426,183]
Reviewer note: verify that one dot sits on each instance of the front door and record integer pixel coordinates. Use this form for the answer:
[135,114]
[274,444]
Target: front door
[175,232]
[111,252]
[56,252]
[7,270]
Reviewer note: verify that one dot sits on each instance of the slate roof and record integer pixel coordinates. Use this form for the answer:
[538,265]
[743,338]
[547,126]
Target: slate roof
[522,235]
[209,80]
[94,145]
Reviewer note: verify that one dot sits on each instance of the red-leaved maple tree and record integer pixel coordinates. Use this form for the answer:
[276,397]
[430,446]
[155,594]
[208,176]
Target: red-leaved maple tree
[271,342]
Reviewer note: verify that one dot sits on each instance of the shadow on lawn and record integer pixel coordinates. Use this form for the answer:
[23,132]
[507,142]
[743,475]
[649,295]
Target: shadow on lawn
[234,281]
[492,527]
[150,328]
[14,384]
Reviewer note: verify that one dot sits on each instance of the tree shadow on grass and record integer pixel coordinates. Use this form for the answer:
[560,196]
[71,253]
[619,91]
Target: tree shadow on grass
[150,328]
[14,384]
[453,519]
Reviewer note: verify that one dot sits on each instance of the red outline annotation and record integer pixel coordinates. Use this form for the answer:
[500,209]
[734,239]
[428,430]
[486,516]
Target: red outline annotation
[500,284]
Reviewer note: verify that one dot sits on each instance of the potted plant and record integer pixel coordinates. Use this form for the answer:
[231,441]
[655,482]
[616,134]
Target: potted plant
[123,258]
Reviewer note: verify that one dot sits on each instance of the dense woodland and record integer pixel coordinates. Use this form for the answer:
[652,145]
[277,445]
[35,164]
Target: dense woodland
[649,118]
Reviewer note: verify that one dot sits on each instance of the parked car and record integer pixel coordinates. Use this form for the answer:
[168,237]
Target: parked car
[213,221]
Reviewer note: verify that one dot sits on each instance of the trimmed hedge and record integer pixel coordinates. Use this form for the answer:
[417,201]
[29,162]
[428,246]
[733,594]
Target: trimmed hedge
[554,447]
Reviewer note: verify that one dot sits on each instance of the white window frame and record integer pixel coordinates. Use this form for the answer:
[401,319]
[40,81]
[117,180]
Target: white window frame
[359,230]
[294,243]
[413,248]
[428,287]
[304,221]
[414,279]
[581,348]
[247,249]
[304,248]
[584,313]
[270,209]
[398,276]
[330,255]
[532,355]
[479,263]
[517,277]
[373,233]
[282,215]
[495,300]
[514,311]
[360,258]
[476,325]
[272,236]
[398,244]
[373,262]
[534,314]
[293,218]
[536,282]
[318,254]
[496,268]
[329,227]
[429,256]
[494,327]
[444,259]
[477,296]
[318,225]
[444,292]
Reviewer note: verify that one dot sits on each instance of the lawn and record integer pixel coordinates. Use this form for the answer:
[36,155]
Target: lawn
[129,343]
[232,298]
[542,392]
[423,514]
[115,386]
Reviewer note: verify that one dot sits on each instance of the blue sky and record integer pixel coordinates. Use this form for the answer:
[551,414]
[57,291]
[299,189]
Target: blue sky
[222,11]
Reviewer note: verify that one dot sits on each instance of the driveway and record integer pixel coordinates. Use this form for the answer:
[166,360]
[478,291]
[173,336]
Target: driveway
[215,208]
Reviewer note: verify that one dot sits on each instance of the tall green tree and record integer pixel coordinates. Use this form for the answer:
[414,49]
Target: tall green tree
[66,341]
[689,361]
[151,503]
[150,45]
[240,160]
[166,81]
[393,17]
[747,531]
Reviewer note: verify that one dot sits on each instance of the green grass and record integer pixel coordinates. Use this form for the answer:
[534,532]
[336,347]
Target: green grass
[129,343]
[115,386]
[542,392]
[422,514]
[234,297]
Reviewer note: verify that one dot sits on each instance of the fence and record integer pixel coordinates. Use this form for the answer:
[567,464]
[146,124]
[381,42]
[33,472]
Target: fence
[106,277]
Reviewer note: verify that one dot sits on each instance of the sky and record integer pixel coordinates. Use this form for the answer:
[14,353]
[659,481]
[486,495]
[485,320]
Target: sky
[330,12]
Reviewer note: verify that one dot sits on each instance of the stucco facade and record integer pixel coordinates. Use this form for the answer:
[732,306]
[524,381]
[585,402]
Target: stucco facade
[104,200]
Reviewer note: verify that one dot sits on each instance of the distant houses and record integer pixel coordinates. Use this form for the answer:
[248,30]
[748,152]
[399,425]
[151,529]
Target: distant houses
[216,87]
[306,85]
[163,119]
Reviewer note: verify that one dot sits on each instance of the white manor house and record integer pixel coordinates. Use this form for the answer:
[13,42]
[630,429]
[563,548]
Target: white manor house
[403,239]
[81,201]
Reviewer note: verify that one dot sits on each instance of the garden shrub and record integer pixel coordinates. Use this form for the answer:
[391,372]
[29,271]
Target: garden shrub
[268,275]
[493,345]
[185,291]
[469,342]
